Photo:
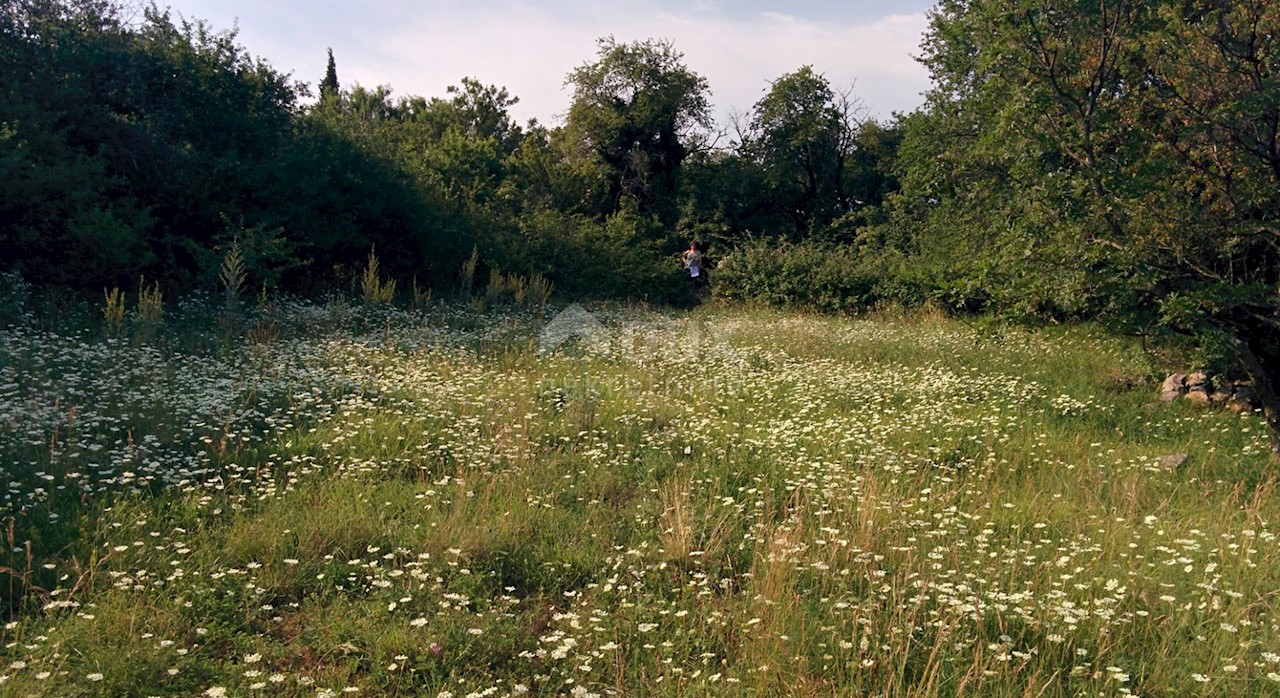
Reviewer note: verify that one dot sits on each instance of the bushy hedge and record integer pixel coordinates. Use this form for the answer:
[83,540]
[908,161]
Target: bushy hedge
[822,276]
[627,255]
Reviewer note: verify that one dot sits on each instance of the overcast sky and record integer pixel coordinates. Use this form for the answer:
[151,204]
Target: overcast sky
[529,46]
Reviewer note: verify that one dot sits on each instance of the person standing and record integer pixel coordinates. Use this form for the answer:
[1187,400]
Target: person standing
[692,259]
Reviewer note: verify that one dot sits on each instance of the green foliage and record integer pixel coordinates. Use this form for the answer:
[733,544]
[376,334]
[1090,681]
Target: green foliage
[813,275]
[329,86]
[636,110]
[143,147]
[1127,148]
[623,257]
[807,166]
[368,193]
[153,146]
[267,256]
[15,298]
[801,137]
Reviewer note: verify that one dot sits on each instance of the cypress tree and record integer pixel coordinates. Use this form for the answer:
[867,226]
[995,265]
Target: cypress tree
[329,86]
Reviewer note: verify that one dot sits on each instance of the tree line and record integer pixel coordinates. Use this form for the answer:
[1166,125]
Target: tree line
[145,146]
[1113,160]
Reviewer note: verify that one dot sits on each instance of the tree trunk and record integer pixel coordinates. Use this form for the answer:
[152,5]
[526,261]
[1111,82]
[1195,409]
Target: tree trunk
[1263,377]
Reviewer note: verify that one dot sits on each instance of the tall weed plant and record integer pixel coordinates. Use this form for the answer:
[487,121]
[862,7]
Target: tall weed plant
[113,310]
[231,276]
[150,310]
[373,287]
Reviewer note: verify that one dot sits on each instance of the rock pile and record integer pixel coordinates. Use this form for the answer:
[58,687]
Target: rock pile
[1204,390]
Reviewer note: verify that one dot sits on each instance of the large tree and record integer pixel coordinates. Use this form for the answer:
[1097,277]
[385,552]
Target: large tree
[1132,148]
[637,109]
[802,136]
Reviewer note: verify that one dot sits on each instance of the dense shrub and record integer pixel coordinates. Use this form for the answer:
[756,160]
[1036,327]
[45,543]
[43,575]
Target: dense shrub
[625,256]
[825,277]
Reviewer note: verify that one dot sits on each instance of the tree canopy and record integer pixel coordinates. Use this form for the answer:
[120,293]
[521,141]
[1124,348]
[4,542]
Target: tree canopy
[1114,158]
[802,137]
[638,109]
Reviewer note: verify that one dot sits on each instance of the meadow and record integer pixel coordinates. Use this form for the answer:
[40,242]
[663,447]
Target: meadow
[333,497]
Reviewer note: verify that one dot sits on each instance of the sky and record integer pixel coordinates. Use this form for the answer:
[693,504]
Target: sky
[529,46]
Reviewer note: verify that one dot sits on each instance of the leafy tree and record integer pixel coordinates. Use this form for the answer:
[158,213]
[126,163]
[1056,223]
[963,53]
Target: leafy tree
[1124,149]
[806,164]
[144,148]
[482,112]
[59,199]
[1213,238]
[802,136]
[636,110]
[872,176]
[128,142]
[365,160]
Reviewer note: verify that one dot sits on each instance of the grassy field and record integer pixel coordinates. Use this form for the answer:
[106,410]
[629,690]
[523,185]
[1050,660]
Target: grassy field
[318,499]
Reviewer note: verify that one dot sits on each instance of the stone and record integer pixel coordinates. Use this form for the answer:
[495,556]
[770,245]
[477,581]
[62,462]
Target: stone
[1198,395]
[1173,387]
[1199,379]
[1243,398]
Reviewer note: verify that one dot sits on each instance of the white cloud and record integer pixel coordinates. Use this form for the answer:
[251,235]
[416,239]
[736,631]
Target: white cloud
[530,52]
[421,48]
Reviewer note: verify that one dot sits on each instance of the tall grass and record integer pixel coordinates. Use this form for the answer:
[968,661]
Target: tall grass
[393,502]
